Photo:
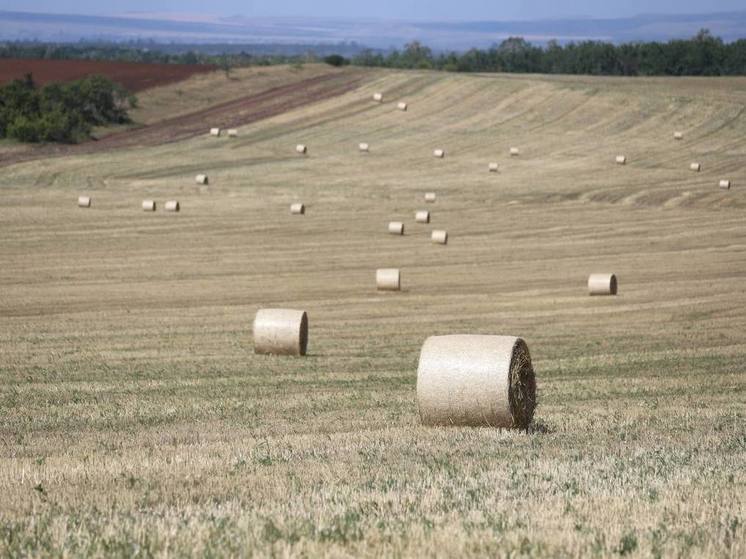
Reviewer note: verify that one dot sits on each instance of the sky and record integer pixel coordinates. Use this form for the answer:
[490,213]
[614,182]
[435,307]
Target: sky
[394,9]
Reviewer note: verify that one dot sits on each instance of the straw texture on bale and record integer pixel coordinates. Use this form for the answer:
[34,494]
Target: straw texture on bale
[476,381]
[232,133]
[439,153]
[280,332]
[84,201]
[364,148]
[696,167]
[725,184]
[388,279]
[301,149]
[297,209]
[515,152]
[172,206]
[215,132]
[602,284]
[201,179]
[439,237]
[378,97]
[678,135]
[148,205]
[396,228]
[494,167]
[430,197]
[403,106]
[621,160]
[422,216]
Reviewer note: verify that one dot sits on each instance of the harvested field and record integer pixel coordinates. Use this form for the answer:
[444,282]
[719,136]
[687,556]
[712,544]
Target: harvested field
[136,417]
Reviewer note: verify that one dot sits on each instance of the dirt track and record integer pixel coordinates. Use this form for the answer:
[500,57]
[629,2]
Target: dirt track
[234,113]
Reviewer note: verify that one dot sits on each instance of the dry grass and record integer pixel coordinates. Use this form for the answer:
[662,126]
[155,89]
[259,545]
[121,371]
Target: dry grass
[135,418]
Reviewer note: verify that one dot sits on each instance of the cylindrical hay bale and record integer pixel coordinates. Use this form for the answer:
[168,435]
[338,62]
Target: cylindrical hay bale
[476,381]
[423,216]
[396,228]
[621,159]
[494,167]
[514,152]
[696,167]
[430,197]
[232,133]
[364,148]
[201,179]
[301,149]
[602,284]
[172,206]
[215,132]
[439,237]
[297,209]
[388,279]
[84,201]
[403,106]
[280,332]
[378,97]
[678,135]
[725,184]
[439,153]
[148,205]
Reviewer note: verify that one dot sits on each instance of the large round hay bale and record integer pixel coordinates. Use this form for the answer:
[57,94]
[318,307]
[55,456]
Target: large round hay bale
[396,228]
[439,237]
[378,97]
[232,133]
[215,132]
[439,153]
[678,135]
[696,167]
[515,152]
[172,206]
[430,197]
[621,159]
[280,332]
[476,381]
[402,106]
[422,216]
[364,148]
[602,284]
[301,149]
[148,205]
[201,179]
[388,279]
[84,201]
[298,209]
[494,167]
[725,184]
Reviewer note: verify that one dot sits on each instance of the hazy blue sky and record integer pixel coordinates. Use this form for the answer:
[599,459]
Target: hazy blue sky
[409,9]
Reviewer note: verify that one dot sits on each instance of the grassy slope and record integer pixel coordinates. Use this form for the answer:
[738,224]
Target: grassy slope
[135,416]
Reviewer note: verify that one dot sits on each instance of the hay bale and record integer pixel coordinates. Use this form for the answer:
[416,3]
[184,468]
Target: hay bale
[201,179]
[422,216]
[439,153]
[172,206]
[388,279]
[364,148]
[430,197]
[725,184]
[403,106]
[696,167]
[298,209]
[215,132]
[84,201]
[476,381]
[301,149]
[678,135]
[378,97]
[439,237]
[232,133]
[396,228]
[494,167]
[514,152]
[621,159]
[148,205]
[280,332]
[602,284]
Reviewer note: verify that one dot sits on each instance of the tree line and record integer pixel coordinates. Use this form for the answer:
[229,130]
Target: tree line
[61,112]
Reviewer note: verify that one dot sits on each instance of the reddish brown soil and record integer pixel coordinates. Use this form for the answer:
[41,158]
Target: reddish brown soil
[133,76]
[226,115]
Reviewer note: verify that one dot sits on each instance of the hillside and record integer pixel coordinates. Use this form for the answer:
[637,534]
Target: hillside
[134,408]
